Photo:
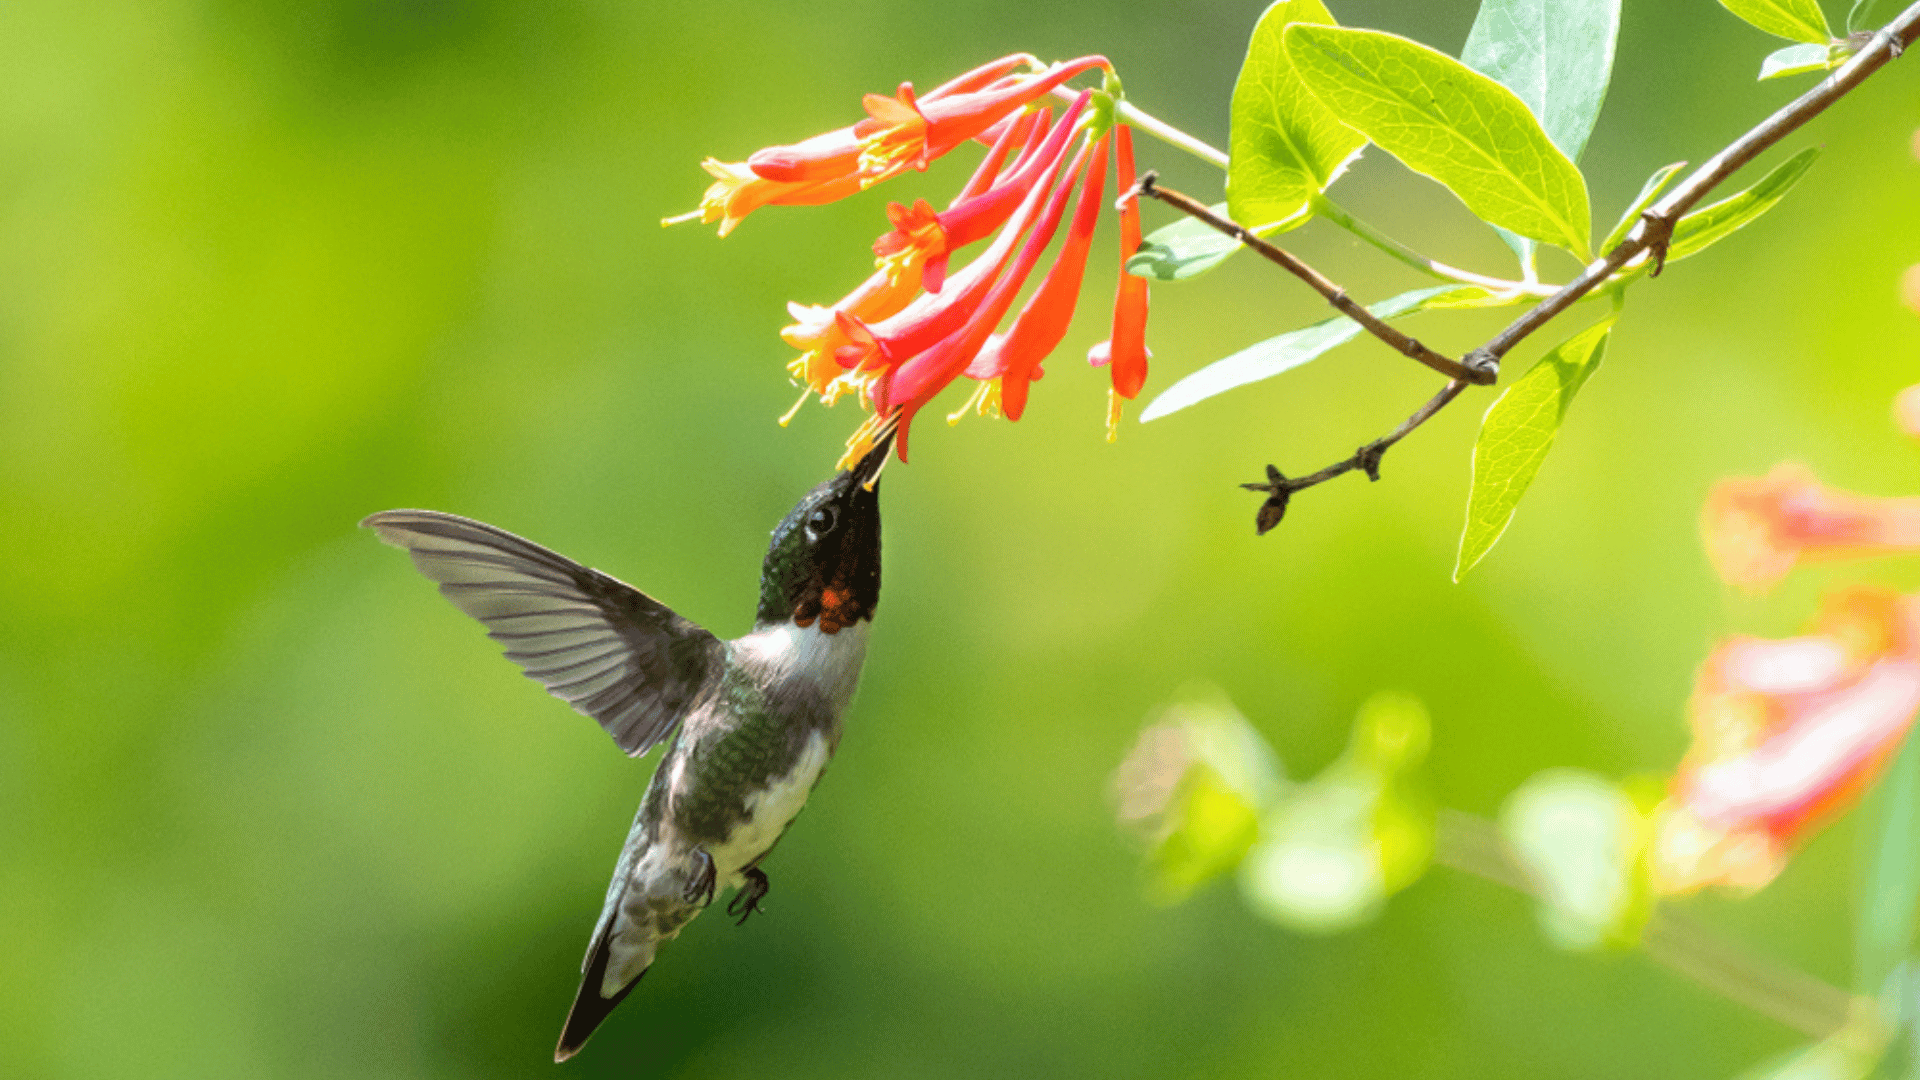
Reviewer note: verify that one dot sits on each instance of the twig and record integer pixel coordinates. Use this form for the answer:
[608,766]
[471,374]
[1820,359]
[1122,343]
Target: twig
[1786,994]
[1334,294]
[1473,845]
[1280,488]
[1655,227]
[1324,206]
[1651,234]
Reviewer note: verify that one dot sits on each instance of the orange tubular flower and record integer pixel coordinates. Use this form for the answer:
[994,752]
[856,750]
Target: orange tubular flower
[1786,733]
[1756,529]
[1125,352]
[837,153]
[918,380]
[1014,357]
[737,192]
[817,333]
[922,236]
[933,316]
[911,132]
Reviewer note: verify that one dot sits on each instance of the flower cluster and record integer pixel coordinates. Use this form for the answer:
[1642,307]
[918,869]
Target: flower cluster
[1788,732]
[911,329]
[1785,733]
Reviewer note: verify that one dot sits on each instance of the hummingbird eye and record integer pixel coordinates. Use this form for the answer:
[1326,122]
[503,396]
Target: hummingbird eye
[822,522]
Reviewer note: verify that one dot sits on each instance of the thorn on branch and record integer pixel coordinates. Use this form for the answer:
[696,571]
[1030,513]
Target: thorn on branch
[1483,364]
[1368,458]
[1658,235]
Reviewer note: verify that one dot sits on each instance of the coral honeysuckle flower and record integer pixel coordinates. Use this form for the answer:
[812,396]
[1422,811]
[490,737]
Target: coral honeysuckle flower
[914,383]
[911,132]
[737,192]
[1014,357]
[921,235]
[933,316]
[1756,529]
[1787,733]
[816,331]
[1124,353]
[837,153]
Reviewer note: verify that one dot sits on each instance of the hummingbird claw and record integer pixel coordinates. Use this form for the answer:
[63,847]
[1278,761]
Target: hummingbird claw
[700,889]
[747,900]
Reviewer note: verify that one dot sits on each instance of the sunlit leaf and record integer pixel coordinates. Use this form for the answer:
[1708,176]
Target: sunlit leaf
[1797,60]
[1890,895]
[1190,247]
[1557,57]
[1709,225]
[1444,120]
[1284,146]
[1517,433]
[1291,349]
[1795,20]
[1648,192]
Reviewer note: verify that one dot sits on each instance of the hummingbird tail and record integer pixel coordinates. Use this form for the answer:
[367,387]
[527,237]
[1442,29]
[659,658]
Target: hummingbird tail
[589,1007]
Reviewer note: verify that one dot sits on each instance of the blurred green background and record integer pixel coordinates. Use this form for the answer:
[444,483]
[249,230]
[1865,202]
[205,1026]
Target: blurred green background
[270,807]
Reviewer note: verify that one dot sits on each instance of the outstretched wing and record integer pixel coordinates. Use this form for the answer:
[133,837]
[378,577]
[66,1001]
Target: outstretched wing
[605,648]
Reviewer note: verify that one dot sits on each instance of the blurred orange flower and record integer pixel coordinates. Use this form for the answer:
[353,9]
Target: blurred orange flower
[1757,529]
[1785,734]
[1906,410]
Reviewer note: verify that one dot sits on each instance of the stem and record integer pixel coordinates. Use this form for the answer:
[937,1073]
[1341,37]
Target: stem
[1655,227]
[1650,234]
[1335,295]
[1473,845]
[1132,114]
[1325,207]
[1280,489]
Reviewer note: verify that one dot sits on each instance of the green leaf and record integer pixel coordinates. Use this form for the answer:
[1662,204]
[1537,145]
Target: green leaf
[1709,225]
[1557,58]
[1648,192]
[1190,247]
[1517,433]
[1797,60]
[1283,145]
[1890,895]
[1795,20]
[1444,120]
[1296,347]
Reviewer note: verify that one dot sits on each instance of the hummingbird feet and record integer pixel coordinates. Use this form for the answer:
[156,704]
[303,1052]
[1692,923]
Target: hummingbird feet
[700,889]
[747,900]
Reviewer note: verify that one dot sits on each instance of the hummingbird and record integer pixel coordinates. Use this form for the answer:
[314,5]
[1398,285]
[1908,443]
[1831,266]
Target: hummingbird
[750,723]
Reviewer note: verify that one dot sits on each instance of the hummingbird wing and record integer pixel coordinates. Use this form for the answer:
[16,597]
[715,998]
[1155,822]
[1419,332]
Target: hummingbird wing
[600,645]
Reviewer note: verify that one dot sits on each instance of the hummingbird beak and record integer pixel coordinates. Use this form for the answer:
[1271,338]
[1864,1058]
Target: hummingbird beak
[866,472]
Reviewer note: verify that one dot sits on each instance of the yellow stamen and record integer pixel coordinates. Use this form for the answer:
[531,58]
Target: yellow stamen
[805,392]
[990,402]
[691,215]
[976,400]
[1115,403]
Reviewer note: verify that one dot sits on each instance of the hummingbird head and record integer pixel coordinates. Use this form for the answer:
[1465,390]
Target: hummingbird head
[824,562]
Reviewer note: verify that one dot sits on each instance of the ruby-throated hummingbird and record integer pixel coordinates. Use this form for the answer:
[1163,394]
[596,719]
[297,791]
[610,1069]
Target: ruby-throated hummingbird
[752,721]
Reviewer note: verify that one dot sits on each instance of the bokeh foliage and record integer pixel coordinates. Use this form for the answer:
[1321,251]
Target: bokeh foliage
[269,807]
